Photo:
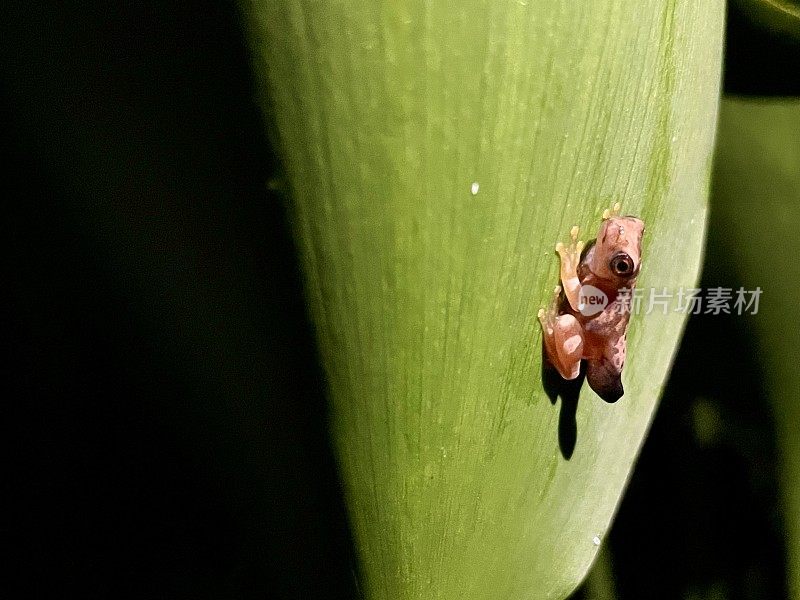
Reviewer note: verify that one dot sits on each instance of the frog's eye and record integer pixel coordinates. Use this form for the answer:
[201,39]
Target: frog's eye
[622,265]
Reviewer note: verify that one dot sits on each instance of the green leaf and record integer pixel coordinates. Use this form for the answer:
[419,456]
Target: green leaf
[389,116]
[756,211]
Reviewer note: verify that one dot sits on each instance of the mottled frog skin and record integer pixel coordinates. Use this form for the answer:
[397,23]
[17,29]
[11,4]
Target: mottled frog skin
[588,317]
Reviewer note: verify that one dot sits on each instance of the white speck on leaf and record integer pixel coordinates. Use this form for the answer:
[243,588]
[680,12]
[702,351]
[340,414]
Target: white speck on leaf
[475,187]
[596,540]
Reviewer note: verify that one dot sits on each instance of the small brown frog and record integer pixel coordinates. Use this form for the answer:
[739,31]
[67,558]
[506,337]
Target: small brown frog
[589,315]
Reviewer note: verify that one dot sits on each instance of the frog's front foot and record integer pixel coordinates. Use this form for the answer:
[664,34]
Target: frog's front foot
[612,212]
[570,253]
[570,259]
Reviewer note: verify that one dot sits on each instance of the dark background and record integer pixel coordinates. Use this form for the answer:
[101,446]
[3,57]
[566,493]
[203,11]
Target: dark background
[164,408]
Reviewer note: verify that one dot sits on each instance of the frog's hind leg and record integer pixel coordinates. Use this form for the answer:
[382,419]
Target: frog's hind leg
[563,341]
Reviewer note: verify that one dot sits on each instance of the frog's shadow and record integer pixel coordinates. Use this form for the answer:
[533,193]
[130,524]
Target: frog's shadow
[569,391]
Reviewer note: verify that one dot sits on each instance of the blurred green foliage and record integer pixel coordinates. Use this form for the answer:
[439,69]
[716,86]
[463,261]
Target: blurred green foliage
[779,17]
[756,210]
